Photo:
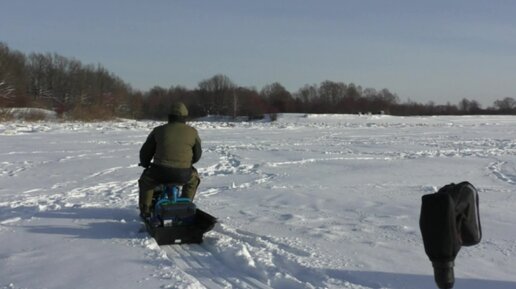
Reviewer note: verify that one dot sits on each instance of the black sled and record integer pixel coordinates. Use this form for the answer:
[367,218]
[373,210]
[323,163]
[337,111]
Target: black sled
[176,220]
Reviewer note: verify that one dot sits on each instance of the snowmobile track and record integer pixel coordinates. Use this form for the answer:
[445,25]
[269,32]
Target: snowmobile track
[214,273]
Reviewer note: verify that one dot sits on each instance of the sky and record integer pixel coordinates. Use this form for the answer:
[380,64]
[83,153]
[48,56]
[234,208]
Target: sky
[440,51]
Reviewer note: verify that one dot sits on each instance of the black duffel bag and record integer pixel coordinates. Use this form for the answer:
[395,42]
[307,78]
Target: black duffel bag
[449,220]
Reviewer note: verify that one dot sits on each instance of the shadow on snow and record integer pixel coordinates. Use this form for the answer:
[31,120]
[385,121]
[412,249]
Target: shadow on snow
[379,280]
[83,222]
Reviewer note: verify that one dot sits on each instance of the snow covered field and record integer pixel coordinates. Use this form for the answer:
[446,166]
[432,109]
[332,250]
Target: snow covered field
[306,202]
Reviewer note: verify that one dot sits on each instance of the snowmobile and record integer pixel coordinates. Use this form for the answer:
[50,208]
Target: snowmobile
[176,220]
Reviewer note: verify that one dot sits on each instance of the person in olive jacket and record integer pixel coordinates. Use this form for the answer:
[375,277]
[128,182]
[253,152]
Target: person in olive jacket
[173,148]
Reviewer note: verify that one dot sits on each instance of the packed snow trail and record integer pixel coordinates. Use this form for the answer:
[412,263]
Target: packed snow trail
[328,201]
[232,259]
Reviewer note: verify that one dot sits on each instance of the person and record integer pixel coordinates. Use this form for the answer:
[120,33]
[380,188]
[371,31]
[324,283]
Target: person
[173,148]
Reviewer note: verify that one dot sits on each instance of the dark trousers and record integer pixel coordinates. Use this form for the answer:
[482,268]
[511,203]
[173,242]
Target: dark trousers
[158,175]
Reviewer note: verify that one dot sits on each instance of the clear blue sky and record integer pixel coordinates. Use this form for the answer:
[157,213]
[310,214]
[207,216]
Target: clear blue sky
[423,50]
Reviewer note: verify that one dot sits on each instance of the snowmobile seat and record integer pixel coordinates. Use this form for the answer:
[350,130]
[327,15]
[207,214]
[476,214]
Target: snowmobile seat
[173,191]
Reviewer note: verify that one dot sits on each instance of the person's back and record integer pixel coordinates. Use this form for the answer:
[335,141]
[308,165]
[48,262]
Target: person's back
[174,145]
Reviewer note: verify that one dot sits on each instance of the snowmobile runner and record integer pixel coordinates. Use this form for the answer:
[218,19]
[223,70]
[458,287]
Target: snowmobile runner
[176,220]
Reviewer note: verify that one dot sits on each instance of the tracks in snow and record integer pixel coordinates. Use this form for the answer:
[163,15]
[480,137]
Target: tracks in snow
[503,174]
[231,258]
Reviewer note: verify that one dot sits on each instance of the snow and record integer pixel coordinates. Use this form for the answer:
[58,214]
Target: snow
[309,201]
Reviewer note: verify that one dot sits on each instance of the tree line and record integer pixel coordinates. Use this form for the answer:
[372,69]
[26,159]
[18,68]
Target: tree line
[80,91]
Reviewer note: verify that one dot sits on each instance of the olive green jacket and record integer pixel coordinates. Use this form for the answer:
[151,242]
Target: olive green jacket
[175,145]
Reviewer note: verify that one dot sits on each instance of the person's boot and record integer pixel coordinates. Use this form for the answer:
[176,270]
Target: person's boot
[144,212]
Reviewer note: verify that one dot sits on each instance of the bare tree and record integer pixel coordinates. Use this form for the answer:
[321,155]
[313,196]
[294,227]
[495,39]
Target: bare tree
[507,104]
[278,97]
[469,106]
[12,77]
[331,93]
[250,103]
[218,94]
